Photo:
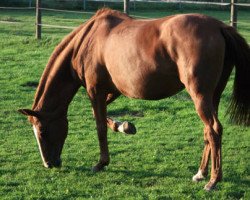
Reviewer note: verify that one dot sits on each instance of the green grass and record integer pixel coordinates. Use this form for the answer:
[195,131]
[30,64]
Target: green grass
[157,163]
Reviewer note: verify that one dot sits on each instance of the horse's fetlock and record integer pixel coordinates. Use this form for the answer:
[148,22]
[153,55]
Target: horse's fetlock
[199,176]
[105,162]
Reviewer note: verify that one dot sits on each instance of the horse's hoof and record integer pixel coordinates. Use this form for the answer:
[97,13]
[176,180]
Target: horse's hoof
[198,177]
[211,185]
[129,128]
[98,168]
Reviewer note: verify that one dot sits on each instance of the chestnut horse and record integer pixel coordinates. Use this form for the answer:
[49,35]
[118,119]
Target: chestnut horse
[114,54]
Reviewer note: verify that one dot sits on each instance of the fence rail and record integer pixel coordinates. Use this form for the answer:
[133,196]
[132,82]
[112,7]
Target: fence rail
[243,4]
[18,8]
[184,2]
[56,26]
[67,11]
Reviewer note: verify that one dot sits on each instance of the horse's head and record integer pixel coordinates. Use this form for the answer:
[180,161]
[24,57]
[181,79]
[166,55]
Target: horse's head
[50,134]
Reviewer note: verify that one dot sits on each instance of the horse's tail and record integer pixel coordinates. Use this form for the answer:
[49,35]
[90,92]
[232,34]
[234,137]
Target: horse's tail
[238,53]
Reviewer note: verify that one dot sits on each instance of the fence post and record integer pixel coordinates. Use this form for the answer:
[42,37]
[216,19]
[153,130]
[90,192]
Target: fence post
[84,4]
[38,20]
[233,21]
[134,5]
[126,7]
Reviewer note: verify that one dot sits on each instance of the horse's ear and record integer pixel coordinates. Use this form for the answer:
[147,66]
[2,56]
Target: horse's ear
[29,112]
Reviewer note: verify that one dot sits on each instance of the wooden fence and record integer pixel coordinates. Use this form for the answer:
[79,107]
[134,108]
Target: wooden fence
[233,5]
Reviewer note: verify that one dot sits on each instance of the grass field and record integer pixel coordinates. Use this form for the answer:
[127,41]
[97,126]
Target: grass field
[156,163]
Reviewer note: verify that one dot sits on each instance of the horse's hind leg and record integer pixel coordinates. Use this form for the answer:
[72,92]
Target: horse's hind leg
[114,125]
[212,137]
[117,126]
[203,169]
[201,85]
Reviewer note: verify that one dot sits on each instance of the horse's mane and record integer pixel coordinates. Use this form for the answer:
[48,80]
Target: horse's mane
[59,48]
[108,11]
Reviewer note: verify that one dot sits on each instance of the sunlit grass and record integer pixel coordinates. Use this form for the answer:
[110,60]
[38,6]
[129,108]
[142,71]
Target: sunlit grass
[156,163]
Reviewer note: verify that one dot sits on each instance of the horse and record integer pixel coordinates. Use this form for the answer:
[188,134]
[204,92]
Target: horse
[113,54]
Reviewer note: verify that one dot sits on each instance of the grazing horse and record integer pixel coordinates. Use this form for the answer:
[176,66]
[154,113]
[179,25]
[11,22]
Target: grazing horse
[114,54]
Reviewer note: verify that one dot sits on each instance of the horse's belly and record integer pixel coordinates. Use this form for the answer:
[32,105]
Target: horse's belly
[152,87]
[141,71]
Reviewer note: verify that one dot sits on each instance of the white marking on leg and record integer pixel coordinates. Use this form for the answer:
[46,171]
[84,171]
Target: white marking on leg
[121,128]
[39,146]
[198,177]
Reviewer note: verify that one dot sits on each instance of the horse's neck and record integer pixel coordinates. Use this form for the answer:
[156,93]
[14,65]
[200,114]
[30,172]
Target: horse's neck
[57,85]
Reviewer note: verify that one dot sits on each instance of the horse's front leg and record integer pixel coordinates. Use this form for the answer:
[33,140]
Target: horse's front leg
[98,100]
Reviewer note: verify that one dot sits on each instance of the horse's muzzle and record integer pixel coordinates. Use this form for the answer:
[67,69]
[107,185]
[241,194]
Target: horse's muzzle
[50,164]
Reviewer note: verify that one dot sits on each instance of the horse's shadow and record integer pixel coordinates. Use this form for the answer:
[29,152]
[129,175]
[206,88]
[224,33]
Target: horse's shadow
[237,184]
[135,113]
[236,181]
[138,174]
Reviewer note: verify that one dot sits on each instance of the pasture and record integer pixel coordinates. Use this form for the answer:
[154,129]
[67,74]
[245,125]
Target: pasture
[156,163]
